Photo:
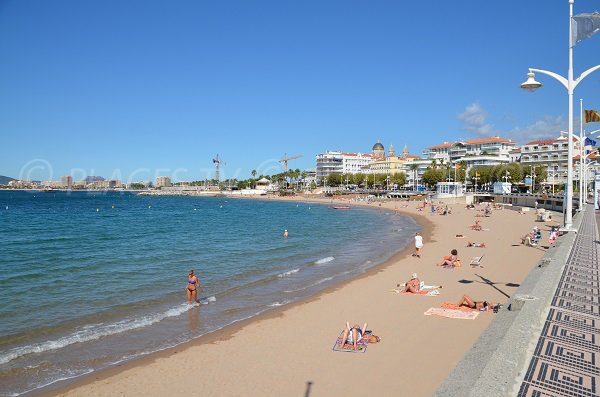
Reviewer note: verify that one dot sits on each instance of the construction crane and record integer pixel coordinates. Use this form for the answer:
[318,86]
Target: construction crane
[217,161]
[285,160]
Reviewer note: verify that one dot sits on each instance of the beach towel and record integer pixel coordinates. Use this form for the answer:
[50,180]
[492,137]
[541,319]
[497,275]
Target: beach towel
[454,306]
[450,313]
[434,292]
[341,346]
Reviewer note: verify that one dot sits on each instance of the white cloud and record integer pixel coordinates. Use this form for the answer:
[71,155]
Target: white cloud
[547,127]
[474,120]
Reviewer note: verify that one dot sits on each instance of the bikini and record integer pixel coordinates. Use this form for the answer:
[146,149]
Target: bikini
[192,282]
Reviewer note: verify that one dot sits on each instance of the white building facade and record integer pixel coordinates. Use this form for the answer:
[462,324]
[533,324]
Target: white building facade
[485,151]
[550,153]
[333,162]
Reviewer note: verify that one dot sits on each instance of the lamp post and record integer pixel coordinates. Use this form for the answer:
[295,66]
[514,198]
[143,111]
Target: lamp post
[570,84]
[553,180]
[506,176]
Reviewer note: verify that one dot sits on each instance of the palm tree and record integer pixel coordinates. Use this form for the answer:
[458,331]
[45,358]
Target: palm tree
[253,173]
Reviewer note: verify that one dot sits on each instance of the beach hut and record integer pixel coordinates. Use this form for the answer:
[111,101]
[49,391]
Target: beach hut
[449,190]
[502,187]
[263,184]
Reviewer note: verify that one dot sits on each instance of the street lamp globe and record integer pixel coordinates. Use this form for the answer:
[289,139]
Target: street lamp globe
[531,84]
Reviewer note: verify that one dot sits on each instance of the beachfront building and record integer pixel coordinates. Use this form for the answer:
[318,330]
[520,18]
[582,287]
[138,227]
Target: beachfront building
[515,155]
[552,154]
[105,184]
[484,151]
[67,181]
[23,184]
[449,190]
[163,181]
[414,167]
[263,184]
[334,162]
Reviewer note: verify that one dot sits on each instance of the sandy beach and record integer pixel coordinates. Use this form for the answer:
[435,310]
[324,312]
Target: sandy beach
[288,352]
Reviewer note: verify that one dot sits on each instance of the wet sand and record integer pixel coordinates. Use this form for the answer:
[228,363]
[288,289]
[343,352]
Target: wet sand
[288,351]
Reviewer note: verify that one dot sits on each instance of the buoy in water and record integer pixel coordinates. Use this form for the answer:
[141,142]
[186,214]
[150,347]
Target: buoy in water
[97,209]
[113,206]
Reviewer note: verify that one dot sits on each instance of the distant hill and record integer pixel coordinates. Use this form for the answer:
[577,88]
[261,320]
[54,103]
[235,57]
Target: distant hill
[5,179]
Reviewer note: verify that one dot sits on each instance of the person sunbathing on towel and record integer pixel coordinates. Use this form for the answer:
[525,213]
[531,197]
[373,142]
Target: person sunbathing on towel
[469,302]
[451,260]
[353,334]
[478,245]
[476,226]
[413,285]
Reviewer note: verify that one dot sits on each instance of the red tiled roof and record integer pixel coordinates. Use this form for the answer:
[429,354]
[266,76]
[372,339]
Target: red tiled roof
[445,144]
[543,142]
[551,140]
[412,157]
[493,139]
[356,154]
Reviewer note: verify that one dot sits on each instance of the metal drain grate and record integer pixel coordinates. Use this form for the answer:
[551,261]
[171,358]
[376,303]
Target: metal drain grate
[565,360]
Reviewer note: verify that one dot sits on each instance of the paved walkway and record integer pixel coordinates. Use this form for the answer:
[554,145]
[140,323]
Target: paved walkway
[565,360]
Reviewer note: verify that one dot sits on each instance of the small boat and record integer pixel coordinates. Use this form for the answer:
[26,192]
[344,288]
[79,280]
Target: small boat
[342,207]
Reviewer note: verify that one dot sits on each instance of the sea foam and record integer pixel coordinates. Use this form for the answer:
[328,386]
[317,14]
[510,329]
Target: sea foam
[324,260]
[89,333]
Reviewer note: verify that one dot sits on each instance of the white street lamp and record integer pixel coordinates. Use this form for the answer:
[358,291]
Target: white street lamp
[569,83]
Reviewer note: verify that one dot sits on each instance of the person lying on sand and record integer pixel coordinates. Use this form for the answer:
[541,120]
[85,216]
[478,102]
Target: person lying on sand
[353,334]
[476,226]
[478,245]
[469,302]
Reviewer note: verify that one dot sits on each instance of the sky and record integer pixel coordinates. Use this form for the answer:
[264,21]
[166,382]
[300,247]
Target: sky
[135,89]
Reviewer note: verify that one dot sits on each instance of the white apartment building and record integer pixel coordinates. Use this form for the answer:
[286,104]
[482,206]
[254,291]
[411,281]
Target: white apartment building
[414,177]
[550,153]
[484,151]
[332,162]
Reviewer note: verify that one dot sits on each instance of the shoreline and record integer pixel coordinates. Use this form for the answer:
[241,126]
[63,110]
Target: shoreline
[227,332]
[365,297]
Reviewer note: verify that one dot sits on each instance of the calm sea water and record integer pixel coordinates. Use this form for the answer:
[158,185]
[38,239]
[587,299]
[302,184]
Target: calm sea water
[88,280]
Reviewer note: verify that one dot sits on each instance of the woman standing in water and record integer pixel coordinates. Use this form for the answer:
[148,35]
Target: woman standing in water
[192,288]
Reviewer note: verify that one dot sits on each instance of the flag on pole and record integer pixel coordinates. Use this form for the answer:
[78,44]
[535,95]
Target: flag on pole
[592,116]
[584,26]
[589,142]
[477,174]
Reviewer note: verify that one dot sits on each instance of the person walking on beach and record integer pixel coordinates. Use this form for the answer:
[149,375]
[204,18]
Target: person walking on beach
[418,244]
[192,288]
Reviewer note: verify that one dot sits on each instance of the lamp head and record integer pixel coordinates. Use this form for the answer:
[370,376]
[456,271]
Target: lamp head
[531,84]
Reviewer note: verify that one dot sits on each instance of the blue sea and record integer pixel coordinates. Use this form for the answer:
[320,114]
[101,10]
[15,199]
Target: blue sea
[89,280]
